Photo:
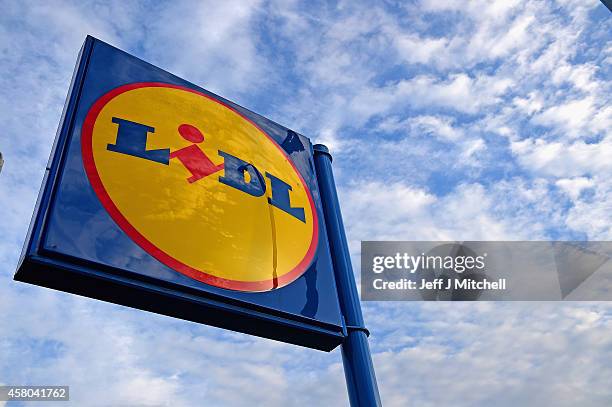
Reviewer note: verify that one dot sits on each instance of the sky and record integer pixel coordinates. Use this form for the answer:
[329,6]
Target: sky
[447,120]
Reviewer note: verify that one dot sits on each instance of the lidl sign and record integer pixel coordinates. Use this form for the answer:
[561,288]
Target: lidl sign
[199,186]
[163,196]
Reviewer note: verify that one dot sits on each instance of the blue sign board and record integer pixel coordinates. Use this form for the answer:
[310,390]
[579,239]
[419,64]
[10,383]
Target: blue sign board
[162,196]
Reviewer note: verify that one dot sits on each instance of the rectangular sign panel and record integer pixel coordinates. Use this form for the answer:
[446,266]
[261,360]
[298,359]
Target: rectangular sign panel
[162,196]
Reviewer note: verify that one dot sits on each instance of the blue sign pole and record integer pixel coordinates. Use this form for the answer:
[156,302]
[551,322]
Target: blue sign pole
[358,367]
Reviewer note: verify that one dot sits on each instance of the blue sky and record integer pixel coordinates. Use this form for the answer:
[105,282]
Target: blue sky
[448,120]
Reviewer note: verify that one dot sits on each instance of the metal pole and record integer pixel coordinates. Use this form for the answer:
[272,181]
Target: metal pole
[358,367]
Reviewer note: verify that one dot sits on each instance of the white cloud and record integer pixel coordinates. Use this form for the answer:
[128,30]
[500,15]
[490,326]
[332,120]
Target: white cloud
[481,9]
[530,104]
[591,213]
[559,159]
[507,354]
[415,49]
[576,117]
[581,76]
[487,31]
[210,43]
[397,211]
[459,92]
[574,186]
[436,126]
[474,146]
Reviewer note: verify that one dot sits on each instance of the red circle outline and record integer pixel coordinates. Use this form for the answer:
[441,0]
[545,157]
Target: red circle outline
[149,247]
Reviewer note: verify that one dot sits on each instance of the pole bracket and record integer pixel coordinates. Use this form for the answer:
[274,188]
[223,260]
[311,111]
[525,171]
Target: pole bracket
[358,328]
[322,149]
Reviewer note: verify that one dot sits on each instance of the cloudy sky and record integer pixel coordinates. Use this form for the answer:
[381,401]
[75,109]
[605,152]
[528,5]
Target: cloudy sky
[448,120]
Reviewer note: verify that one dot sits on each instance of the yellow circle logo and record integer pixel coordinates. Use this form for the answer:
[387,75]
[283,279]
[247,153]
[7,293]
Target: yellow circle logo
[199,186]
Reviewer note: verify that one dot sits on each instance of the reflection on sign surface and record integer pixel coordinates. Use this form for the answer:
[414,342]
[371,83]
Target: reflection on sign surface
[199,186]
